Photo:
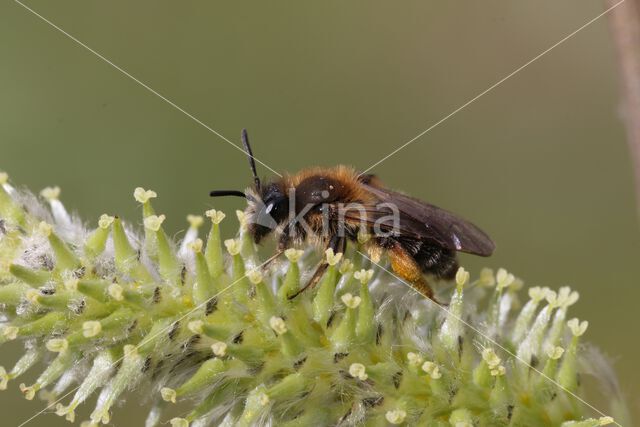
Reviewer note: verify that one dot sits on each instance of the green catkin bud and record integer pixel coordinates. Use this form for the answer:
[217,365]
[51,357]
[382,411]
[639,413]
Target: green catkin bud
[291,283]
[32,356]
[568,373]
[452,328]
[223,393]
[544,390]
[110,326]
[461,417]
[236,351]
[247,247]
[124,253]
[31,277]
[482,374]
[203,378]
[213,253]
[9,250]
[504,279]
[155,338]
[204,287]
[59,301]
[96,289]
[128,375]
[58,211]
[345,333]
[126,258]
[531,347]
[195,222]
[144,197]
[566,298]
[257,403]
[134,297]
[250,355]
[365,327]
[324,300]
[12,294]
[102,367]
[97,240]
[265,304]
[434,379]
[289,388]
[289,343]
[240,281]
[523,321]
[50,395]
[298,319]
[8,208]
[218,332]
[382,373]
[45,325]
[167,261]
[65,258]
[500,397]
[60,364]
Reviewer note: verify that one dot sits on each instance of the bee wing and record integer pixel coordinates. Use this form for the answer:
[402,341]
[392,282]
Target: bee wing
[426,222]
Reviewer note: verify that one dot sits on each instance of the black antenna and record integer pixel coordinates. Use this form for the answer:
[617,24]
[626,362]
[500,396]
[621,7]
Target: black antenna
[222,193]
[252,162]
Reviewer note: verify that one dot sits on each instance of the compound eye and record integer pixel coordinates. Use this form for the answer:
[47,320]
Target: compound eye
[269,208]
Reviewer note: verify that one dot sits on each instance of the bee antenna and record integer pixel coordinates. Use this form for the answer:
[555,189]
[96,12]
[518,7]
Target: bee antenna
[252,161]
[222,193]
[235,193]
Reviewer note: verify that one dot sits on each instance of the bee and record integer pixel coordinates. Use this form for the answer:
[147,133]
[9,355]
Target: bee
[332,206]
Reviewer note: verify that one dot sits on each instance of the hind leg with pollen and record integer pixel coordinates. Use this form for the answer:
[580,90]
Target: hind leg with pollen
[408,269]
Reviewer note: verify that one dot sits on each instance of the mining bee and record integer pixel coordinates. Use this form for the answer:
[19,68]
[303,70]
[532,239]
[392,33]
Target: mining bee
[333,205]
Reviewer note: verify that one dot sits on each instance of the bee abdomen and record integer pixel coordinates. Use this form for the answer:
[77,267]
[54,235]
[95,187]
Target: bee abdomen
[432,259]
[438,261]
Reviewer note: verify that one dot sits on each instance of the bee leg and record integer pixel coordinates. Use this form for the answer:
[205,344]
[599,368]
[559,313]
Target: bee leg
[336,243]
[408,269]
[320,269]
[283,245]
[268,262]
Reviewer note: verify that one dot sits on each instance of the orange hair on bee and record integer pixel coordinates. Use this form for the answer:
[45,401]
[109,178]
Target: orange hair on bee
[351,189]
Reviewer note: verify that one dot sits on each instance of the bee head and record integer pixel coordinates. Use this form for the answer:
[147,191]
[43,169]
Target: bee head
[267,205]
[267,208]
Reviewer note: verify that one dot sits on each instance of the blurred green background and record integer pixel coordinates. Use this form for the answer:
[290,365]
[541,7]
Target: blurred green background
[540,162]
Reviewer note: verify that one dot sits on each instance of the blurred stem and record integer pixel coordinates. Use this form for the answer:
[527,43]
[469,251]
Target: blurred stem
[625,29]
